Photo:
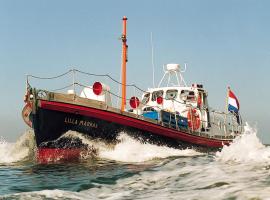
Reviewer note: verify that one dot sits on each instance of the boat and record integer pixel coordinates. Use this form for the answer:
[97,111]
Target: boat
[172,114]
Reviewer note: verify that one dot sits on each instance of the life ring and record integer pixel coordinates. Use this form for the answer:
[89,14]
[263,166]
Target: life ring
[194,120]
[26,114]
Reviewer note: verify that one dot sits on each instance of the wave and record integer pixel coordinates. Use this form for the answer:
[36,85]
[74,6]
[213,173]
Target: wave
[23,149]
[46,194]
[131,150]
[245,148]
[210,179]
[128,149]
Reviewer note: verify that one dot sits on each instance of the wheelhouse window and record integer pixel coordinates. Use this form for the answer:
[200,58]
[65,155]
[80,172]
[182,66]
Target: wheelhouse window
[147,109]
[171,94]
[157,94]
[187,95]
[146,98]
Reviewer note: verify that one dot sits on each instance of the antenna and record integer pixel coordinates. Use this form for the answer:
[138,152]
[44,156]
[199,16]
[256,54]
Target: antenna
[185,64]
[153,65]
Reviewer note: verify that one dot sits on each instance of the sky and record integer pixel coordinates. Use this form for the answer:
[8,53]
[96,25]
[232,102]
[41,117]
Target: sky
[224,43]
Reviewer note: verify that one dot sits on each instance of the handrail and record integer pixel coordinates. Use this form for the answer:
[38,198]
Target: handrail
[48,78]
[82,72]
[212,113]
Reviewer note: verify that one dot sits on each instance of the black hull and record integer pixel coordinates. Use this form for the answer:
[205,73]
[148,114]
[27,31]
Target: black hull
[50,125]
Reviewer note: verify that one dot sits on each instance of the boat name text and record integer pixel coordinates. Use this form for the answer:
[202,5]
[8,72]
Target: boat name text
[69,120]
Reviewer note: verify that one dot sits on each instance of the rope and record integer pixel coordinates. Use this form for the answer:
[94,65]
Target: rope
[86,73]
[68,86]
[48,78]
[106,75]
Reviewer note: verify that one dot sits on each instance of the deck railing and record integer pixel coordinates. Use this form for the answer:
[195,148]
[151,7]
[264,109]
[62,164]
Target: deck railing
[219,124]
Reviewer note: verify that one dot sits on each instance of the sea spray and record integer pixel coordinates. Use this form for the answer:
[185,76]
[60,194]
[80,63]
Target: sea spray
[127,149]
[23,148]
[179,177]
[245,148]
[132,150]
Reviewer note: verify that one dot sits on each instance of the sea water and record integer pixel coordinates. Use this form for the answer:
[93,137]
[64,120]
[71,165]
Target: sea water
[132,170]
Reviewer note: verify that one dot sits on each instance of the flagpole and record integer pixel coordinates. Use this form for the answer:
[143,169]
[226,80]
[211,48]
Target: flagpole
[226,109]
[227,99]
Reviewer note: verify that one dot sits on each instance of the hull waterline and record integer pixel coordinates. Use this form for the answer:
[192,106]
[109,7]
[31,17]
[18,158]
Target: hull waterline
[53,119]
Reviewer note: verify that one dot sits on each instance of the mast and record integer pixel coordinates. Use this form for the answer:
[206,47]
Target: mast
[124,63]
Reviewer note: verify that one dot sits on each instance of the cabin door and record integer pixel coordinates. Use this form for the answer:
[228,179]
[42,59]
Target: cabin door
[203,105]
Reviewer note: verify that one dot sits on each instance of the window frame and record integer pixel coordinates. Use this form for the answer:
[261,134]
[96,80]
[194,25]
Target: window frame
[171,98]
[156,96]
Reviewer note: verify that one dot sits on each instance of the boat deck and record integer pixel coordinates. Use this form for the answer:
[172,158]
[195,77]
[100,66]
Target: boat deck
[89,103]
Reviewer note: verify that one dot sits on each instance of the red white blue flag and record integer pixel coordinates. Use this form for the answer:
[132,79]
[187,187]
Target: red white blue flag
[233,103]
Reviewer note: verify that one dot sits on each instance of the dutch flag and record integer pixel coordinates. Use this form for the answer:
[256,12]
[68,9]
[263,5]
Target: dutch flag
[233,103]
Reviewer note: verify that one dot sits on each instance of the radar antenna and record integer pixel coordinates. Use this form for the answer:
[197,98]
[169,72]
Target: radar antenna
[173,70]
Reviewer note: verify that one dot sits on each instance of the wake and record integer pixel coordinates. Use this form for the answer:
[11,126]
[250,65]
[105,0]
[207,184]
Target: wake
[245,148]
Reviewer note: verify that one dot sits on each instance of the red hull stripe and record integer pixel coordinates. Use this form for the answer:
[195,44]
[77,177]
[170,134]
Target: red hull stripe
[45,155]
[131,122]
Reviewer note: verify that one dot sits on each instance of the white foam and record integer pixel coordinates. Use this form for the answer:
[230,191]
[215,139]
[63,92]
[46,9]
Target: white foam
[47,194]
[128,149]
[131,150]
[245,148]
[21,149]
